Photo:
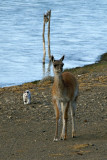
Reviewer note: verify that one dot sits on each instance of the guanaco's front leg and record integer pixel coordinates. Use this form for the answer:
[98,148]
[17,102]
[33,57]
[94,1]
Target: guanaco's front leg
[57,112]
[64,108]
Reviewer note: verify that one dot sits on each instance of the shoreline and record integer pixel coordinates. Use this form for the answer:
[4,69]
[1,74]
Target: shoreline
[27,131]
[102,59]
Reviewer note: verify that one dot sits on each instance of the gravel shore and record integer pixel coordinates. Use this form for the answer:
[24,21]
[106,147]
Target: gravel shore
[27,131]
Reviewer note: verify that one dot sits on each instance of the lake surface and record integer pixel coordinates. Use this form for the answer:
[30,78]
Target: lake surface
[78,30]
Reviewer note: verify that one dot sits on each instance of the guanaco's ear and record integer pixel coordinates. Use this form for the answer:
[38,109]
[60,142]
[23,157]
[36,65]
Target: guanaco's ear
[62,58]
[52,58]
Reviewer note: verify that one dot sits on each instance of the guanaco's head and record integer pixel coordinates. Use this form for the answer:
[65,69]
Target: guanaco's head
[57,65]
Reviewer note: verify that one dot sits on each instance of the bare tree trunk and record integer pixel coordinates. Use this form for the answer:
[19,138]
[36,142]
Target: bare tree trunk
[49,52]
[46,19]
[44,50]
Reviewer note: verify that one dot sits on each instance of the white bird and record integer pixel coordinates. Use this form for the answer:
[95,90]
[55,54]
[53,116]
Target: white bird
[27,97]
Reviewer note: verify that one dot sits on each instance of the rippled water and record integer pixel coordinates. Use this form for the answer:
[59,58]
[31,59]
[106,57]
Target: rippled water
[78,30]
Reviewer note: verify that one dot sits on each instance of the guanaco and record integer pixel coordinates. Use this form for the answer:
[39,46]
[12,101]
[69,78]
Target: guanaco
[64,95]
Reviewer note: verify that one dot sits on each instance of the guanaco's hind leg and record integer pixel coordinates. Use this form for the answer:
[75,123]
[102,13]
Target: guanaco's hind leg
[73,108]
[64,108]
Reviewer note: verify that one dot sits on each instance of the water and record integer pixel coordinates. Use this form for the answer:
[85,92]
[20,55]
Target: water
[78,30]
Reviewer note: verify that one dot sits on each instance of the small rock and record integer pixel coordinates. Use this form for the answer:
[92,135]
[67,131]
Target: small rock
[85,120]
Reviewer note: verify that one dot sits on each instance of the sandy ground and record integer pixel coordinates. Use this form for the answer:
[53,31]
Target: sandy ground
[27,131]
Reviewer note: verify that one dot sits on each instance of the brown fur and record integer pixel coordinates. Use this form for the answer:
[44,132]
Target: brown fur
[64,93]
[69,83]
